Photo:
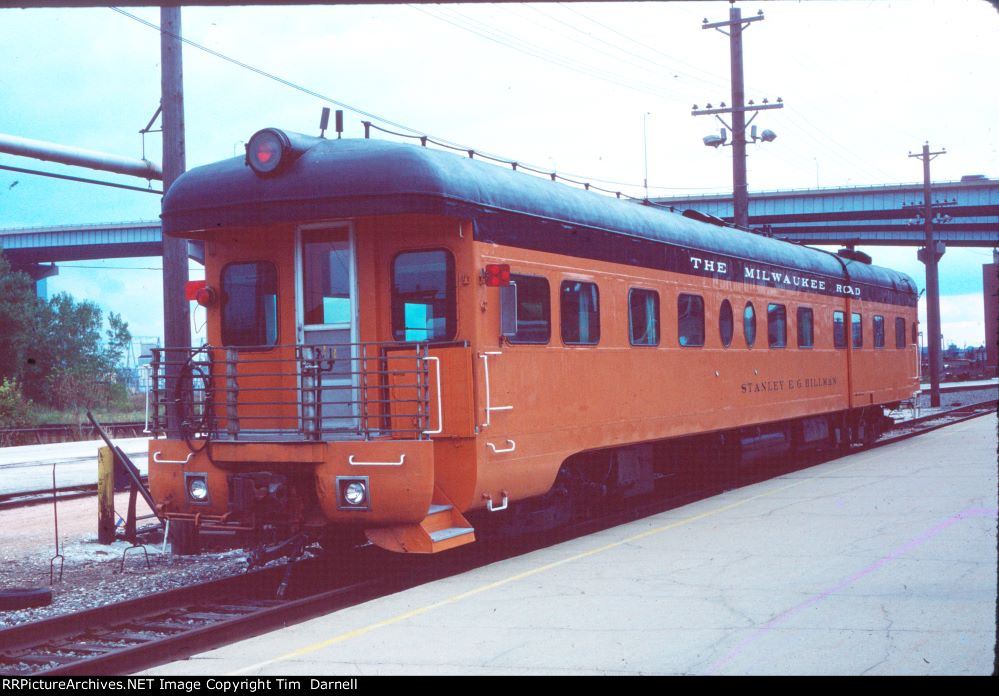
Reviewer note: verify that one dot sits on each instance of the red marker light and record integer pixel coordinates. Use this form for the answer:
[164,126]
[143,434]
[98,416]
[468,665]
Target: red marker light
[205,296]
[497,275]
[192,287]
[198,291]
[267,151]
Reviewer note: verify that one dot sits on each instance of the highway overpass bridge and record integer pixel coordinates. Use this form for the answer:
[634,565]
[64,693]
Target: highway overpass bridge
[888,215]
[35,250]
[869,215]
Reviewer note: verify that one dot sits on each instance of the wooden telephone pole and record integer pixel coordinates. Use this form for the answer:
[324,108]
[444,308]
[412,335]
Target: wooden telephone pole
[740,186]
[176,314]
[930,255]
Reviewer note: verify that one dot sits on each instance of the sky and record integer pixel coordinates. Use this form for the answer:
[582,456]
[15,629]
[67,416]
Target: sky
[599,91]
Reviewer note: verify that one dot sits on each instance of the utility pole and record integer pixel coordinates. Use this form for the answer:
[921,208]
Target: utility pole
[740,187]
[930,255]
[176,314]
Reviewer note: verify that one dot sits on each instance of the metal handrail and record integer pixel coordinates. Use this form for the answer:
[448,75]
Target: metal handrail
[345,391]
[489,407]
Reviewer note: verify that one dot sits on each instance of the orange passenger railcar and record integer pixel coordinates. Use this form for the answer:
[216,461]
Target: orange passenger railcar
[400,339]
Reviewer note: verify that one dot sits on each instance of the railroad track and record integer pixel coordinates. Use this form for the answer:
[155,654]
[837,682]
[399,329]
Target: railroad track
[140,633]
[44,495]
[128,636]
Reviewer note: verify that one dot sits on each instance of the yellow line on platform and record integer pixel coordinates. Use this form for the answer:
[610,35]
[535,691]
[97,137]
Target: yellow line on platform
[343,637]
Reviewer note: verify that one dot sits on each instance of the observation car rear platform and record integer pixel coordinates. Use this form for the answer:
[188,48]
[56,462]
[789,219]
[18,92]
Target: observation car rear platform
[400,338]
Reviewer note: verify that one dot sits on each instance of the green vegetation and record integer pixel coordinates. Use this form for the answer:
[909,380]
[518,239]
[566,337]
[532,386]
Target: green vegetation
[53,354]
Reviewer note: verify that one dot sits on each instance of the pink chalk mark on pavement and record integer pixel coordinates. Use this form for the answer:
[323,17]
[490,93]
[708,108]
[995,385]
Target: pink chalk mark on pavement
[761,631]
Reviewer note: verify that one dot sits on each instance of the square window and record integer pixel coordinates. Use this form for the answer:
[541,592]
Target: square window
[643,317]
[534,310]
[690,320]
[579,304]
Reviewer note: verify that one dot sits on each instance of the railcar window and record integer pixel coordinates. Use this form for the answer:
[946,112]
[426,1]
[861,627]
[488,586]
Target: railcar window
[423,301]
[858,330]
[806,328]
[915,332]
[776,325]
[326,282]
[643,317]
[580,309]
[249,304]
[726,325]
[690,320]
[899,332]
[749,324]
[534,310]
[839,329]
[879,331]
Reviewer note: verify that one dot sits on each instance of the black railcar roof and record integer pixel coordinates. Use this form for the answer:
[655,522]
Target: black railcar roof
[354,178]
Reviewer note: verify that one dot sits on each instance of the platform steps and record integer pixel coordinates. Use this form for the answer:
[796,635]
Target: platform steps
[443,528]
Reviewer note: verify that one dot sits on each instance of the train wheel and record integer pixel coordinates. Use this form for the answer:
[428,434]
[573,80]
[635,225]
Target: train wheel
[872,426]
[184,538]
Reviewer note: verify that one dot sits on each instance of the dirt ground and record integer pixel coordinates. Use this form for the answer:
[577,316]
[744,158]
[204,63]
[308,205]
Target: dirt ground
[90,571]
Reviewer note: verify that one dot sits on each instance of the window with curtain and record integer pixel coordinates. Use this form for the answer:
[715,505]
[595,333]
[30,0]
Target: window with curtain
[579,305]
[806,328]
[690,320]
[643,317]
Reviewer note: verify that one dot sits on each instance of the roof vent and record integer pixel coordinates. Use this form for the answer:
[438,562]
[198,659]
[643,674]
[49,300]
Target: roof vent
[854,255]
[704,217]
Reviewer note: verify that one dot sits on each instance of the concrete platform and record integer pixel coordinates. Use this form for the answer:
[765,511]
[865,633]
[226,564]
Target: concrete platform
[29,467]
[883,562]
[978,384]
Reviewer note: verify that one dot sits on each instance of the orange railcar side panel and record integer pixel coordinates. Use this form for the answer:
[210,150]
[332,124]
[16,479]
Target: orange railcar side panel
[568,398]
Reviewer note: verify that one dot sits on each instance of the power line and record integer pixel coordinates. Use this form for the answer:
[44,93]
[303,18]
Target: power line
[64,265]
[715,82]
[628,56]
[264,73]
[510,41]
[293,85]
[323,97]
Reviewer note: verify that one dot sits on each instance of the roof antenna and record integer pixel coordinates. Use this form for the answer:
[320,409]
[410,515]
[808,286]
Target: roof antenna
[324,121]
[339,123]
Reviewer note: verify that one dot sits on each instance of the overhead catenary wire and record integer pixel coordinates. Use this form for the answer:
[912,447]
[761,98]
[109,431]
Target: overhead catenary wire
[711,79]
[409,130]
[617,52]
[491,33]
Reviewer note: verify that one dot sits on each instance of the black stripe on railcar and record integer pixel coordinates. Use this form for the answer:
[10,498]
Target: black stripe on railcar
[358,178]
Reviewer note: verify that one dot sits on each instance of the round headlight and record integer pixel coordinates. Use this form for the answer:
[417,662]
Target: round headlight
[197,488]
[354,493]
[267,150]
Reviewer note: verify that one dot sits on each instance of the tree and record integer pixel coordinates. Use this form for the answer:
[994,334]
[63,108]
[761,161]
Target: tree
[15,410]
[19,312]
[53,352]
